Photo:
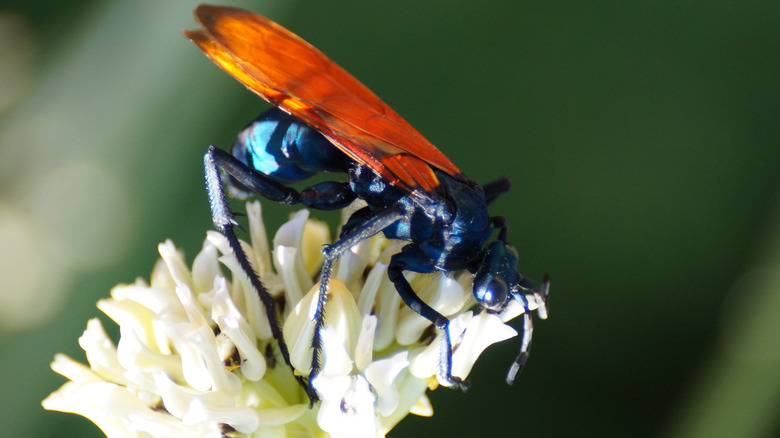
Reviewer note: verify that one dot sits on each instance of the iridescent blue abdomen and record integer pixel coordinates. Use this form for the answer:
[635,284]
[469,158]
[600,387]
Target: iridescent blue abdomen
[284,148]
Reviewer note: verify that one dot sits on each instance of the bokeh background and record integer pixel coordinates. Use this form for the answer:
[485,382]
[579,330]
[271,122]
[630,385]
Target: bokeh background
[642,140]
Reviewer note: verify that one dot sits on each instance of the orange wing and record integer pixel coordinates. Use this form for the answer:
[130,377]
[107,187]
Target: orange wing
[290,73]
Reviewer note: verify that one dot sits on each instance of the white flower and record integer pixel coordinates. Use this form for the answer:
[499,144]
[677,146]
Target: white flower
[196,357]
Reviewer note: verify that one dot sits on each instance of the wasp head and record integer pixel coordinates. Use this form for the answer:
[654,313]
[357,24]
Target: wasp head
[497,276]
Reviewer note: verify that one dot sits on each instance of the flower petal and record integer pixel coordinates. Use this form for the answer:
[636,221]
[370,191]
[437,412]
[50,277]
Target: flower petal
[381,374]
[232,324]
[341,329]
[483,330]
[448,298]
[244,420]
[347,408]
[258,237]
[101,352]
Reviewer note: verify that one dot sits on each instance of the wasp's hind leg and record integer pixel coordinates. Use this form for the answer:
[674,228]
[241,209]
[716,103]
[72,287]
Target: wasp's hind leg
[327,195]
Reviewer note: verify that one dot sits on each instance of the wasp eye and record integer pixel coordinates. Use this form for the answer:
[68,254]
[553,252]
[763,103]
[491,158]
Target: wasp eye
[492,294]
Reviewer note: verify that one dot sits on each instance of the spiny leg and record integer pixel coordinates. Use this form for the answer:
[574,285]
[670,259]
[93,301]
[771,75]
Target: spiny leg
[323,195]
[371,226]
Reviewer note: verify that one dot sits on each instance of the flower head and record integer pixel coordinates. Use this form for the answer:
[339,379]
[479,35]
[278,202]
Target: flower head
[196,357]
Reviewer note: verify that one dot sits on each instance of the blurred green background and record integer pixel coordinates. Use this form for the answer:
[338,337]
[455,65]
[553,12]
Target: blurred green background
[642,140]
